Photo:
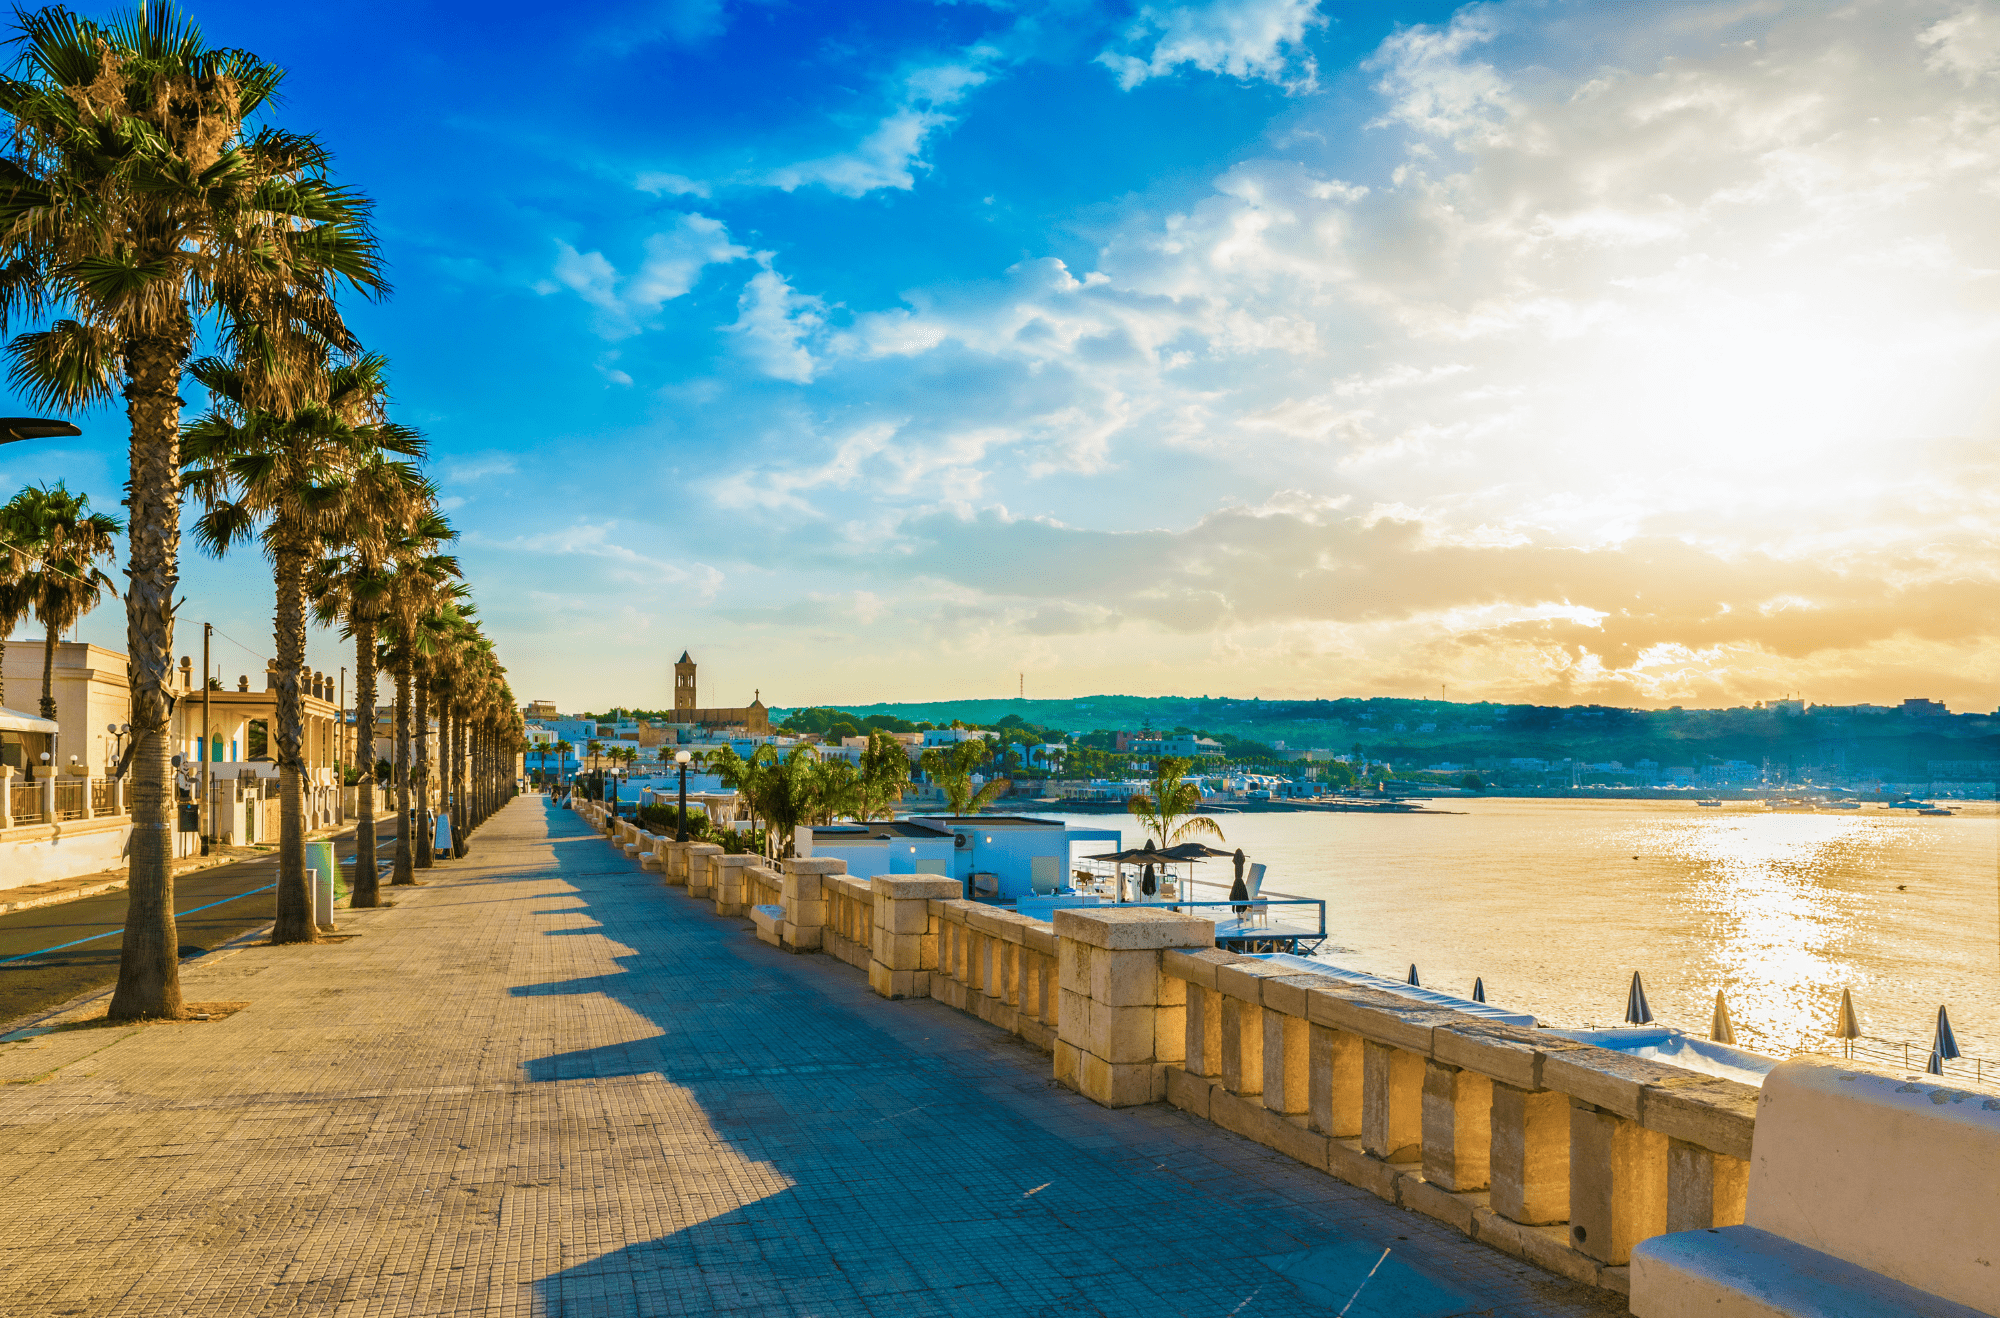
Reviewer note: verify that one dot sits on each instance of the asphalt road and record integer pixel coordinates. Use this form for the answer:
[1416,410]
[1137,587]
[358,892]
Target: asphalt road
[50,954]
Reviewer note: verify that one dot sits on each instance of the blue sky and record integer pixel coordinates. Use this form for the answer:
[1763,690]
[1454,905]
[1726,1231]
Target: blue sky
[1545,350]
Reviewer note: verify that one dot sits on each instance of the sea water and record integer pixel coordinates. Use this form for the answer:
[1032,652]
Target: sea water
[1555,903]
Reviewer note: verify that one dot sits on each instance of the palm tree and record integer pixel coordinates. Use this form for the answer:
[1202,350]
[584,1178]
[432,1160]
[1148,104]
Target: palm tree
[1169,809]
[885,772]
[789,794]
[417,574]
[60,542]
[350,584]
[563,748]
[951,769]
[134,205]
[290,471]
[748,776]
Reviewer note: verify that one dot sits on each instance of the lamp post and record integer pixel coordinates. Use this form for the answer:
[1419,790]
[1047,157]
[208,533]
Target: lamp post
[681,826]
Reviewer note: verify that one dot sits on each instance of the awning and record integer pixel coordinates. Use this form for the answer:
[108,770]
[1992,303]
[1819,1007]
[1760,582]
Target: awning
[13,720]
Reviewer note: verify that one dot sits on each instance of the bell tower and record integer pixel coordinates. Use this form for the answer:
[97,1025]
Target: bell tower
[684,684]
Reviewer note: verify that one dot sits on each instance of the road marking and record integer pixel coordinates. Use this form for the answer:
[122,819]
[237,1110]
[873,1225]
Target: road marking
[25,956]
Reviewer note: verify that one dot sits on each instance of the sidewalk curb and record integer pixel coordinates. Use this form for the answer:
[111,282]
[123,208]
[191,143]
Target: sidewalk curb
[112,885]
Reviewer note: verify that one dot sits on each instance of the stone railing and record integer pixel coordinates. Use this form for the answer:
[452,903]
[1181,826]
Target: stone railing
[1552,1150]
[1558,1152]
[998,965]
[849,933]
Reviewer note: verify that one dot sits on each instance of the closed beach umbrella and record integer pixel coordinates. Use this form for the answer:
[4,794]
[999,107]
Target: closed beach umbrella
[1719,1028]
[1239,891]
[1413,975]
[1479,990]
[1636,1010]
[1944,1045]
[1936,1065]
[1148,882]
[1848,1027]
[1849,1024]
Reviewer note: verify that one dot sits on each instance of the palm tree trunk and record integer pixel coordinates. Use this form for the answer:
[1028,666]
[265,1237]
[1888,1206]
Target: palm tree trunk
[149,961]
[421,771]
[461,822]
[405,873]
[48,672]
[295,922]
[366,890]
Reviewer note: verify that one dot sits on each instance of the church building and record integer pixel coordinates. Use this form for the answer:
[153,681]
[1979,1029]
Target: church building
[753,717]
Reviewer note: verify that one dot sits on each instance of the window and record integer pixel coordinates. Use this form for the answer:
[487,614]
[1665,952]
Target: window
[260,739]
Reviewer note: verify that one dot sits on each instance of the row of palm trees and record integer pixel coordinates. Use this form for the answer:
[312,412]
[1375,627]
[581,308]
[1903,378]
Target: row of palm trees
[144,211]
[783,792]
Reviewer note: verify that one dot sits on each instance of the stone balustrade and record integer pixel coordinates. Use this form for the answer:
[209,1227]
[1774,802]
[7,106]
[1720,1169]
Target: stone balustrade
[1551,1150]
[997,965]
[849,932]
[1558,1152]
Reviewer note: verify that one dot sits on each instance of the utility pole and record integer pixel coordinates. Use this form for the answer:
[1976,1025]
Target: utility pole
[207,750]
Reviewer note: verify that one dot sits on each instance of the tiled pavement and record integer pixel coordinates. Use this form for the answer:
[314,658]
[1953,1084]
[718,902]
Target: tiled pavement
[543,1084]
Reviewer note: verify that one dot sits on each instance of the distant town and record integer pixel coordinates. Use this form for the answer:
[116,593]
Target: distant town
[1102,748]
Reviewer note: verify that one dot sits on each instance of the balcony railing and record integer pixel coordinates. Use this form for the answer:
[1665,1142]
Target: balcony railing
[69,799]
[102,796]
[27,808]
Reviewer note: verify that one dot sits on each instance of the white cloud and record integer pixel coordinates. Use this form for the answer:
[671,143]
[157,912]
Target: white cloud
[1715,276]
[674,260]
[475,466]
[1259,40]
[890,155]
[774,320]
[671,185]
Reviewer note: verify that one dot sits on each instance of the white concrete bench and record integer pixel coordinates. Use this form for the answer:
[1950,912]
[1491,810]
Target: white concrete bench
[1870,1194]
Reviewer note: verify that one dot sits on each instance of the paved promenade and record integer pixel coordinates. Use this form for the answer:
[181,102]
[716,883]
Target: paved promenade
[544,1084]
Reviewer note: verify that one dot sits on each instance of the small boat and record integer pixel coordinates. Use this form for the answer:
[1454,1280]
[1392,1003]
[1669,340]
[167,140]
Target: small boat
[1789,803]
[1907,803]
[1841,805]
[1935,810]
[1709,805]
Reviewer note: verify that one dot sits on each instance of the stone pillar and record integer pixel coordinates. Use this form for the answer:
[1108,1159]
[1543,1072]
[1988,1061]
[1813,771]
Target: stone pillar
[48,786]
[1120,1022]
[1203,1053]
[1242,1047]
[906,933]
[1333,1060]
[674,863]
[698,881]
[1392,1102]
[1457,1127]
[1530,1155]
[1704,1189]
[1617,1183]
[84,780]
[731,887]
[804,900]
[1286,1064]
[6,796]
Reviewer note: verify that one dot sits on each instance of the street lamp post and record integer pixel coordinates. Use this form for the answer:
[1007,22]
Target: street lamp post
[14,429]
[681,827]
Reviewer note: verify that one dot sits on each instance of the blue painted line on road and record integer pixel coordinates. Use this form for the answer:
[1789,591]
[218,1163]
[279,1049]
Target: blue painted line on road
[27,956]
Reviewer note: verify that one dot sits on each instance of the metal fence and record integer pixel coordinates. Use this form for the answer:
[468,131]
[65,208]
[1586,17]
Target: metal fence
[1913,1057]
[27,802]
[69,799]
[102,796]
